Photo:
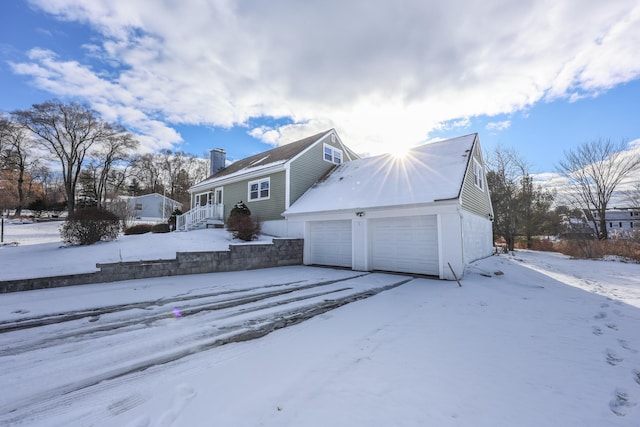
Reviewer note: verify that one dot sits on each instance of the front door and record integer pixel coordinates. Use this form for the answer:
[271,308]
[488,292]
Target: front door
[217,200]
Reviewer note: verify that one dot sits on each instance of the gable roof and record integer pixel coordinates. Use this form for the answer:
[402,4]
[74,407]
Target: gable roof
[276,155]
[427,173]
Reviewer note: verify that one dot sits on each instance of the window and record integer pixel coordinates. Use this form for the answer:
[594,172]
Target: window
[259,190]
[478,175]
[332,154]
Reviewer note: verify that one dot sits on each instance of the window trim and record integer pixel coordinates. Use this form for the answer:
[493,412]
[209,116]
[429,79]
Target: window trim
[259,183]
[334,151]
[478,175]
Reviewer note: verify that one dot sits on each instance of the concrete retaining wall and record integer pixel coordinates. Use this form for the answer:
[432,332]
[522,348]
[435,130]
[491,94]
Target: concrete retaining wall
[239,257]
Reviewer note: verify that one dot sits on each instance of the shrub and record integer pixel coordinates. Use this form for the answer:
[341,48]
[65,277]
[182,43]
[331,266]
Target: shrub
[138,229]
[89,225]
[241,224]
[542,245]
[160,228]
[173,218]
[599,248]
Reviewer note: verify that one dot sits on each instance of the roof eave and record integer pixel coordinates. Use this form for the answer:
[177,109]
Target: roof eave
[239,176]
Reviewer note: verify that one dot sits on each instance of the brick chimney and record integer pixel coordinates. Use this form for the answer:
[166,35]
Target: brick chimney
[218,160]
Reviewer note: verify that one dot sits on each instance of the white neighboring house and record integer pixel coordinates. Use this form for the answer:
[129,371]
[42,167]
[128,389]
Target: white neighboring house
[428,212]
[151,207]
[620,222]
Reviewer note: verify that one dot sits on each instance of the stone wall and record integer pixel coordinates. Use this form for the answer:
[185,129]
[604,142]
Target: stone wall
[239,257]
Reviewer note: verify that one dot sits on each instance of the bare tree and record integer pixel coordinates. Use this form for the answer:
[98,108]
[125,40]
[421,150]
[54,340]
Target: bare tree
[16,153]
[632,196]
[594,170]
[181,170]
[520,207]
[503,179]
[68,131]
[147,172]
[116,148]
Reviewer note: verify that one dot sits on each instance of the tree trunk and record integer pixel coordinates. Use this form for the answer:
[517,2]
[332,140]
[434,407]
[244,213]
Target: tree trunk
[604,234]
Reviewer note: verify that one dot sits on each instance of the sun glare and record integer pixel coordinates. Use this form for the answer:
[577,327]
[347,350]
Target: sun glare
[400,152]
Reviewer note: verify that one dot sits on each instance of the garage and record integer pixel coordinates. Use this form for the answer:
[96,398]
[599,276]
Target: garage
[330,243]
[408,244]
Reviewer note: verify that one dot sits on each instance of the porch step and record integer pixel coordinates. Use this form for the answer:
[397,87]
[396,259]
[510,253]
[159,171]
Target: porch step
[213,223]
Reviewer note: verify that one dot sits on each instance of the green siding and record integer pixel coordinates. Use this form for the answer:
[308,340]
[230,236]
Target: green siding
[474,199]
[310,167]
[266,210]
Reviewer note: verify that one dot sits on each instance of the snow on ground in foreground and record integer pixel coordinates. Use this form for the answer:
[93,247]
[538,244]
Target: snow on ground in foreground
[40,251]
[552,342]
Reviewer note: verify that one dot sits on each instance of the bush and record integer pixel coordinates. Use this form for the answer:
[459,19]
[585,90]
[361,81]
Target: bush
[241,224]
[590,249]
[160,228]
[173,218]
[138,229]
[542,245]
[89,225]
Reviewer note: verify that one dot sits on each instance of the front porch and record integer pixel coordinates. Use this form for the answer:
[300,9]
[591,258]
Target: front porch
[199,216]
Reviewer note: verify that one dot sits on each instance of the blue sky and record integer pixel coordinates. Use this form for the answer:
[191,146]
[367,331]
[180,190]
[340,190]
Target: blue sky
[246,76]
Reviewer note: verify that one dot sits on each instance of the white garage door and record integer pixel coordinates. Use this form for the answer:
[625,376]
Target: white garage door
[330,243]
[408,245]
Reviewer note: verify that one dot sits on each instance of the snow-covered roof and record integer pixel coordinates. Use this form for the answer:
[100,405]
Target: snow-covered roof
[427,173]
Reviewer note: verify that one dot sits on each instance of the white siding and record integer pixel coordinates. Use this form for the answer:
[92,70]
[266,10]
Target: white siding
[477,235]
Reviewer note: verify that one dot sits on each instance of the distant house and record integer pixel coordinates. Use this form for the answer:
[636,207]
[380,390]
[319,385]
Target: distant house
[152,206]
[428,213]
[268,183]
[620,222]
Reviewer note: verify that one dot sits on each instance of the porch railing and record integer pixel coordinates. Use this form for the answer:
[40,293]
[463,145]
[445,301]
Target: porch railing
[199,214]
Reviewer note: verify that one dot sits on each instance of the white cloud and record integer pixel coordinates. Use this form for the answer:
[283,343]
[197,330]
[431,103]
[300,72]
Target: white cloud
[498,126]
[381,74]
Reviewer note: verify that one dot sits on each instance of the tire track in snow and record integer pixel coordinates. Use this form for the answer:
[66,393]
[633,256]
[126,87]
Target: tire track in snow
[49,319]
[259,327]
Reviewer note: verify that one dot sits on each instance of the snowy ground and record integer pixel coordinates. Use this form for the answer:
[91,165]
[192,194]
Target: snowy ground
[42,246]
[551,342]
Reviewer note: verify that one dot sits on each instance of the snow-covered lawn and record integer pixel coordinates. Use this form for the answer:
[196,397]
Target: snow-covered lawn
[47,255]
[551,342]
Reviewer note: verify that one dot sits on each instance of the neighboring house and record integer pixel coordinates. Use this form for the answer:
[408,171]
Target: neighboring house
[152,206]
[268,183]
[427,213]
[620,222]
[576,227]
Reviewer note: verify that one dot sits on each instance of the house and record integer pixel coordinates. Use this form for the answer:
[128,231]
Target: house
[620,222]
[427,213]
[268,183]
[152,206]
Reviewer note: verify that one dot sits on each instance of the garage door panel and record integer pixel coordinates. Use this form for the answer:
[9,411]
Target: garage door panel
[330,243]
[405,245]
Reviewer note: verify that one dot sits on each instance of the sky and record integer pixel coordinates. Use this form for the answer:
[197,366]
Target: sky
[192,75]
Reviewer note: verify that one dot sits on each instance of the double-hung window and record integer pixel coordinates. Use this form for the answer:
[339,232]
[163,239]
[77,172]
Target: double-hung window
[332,154]
[478,175]
[259,190]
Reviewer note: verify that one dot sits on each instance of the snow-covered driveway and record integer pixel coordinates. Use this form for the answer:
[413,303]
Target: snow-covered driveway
[60,341]
[536,346]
